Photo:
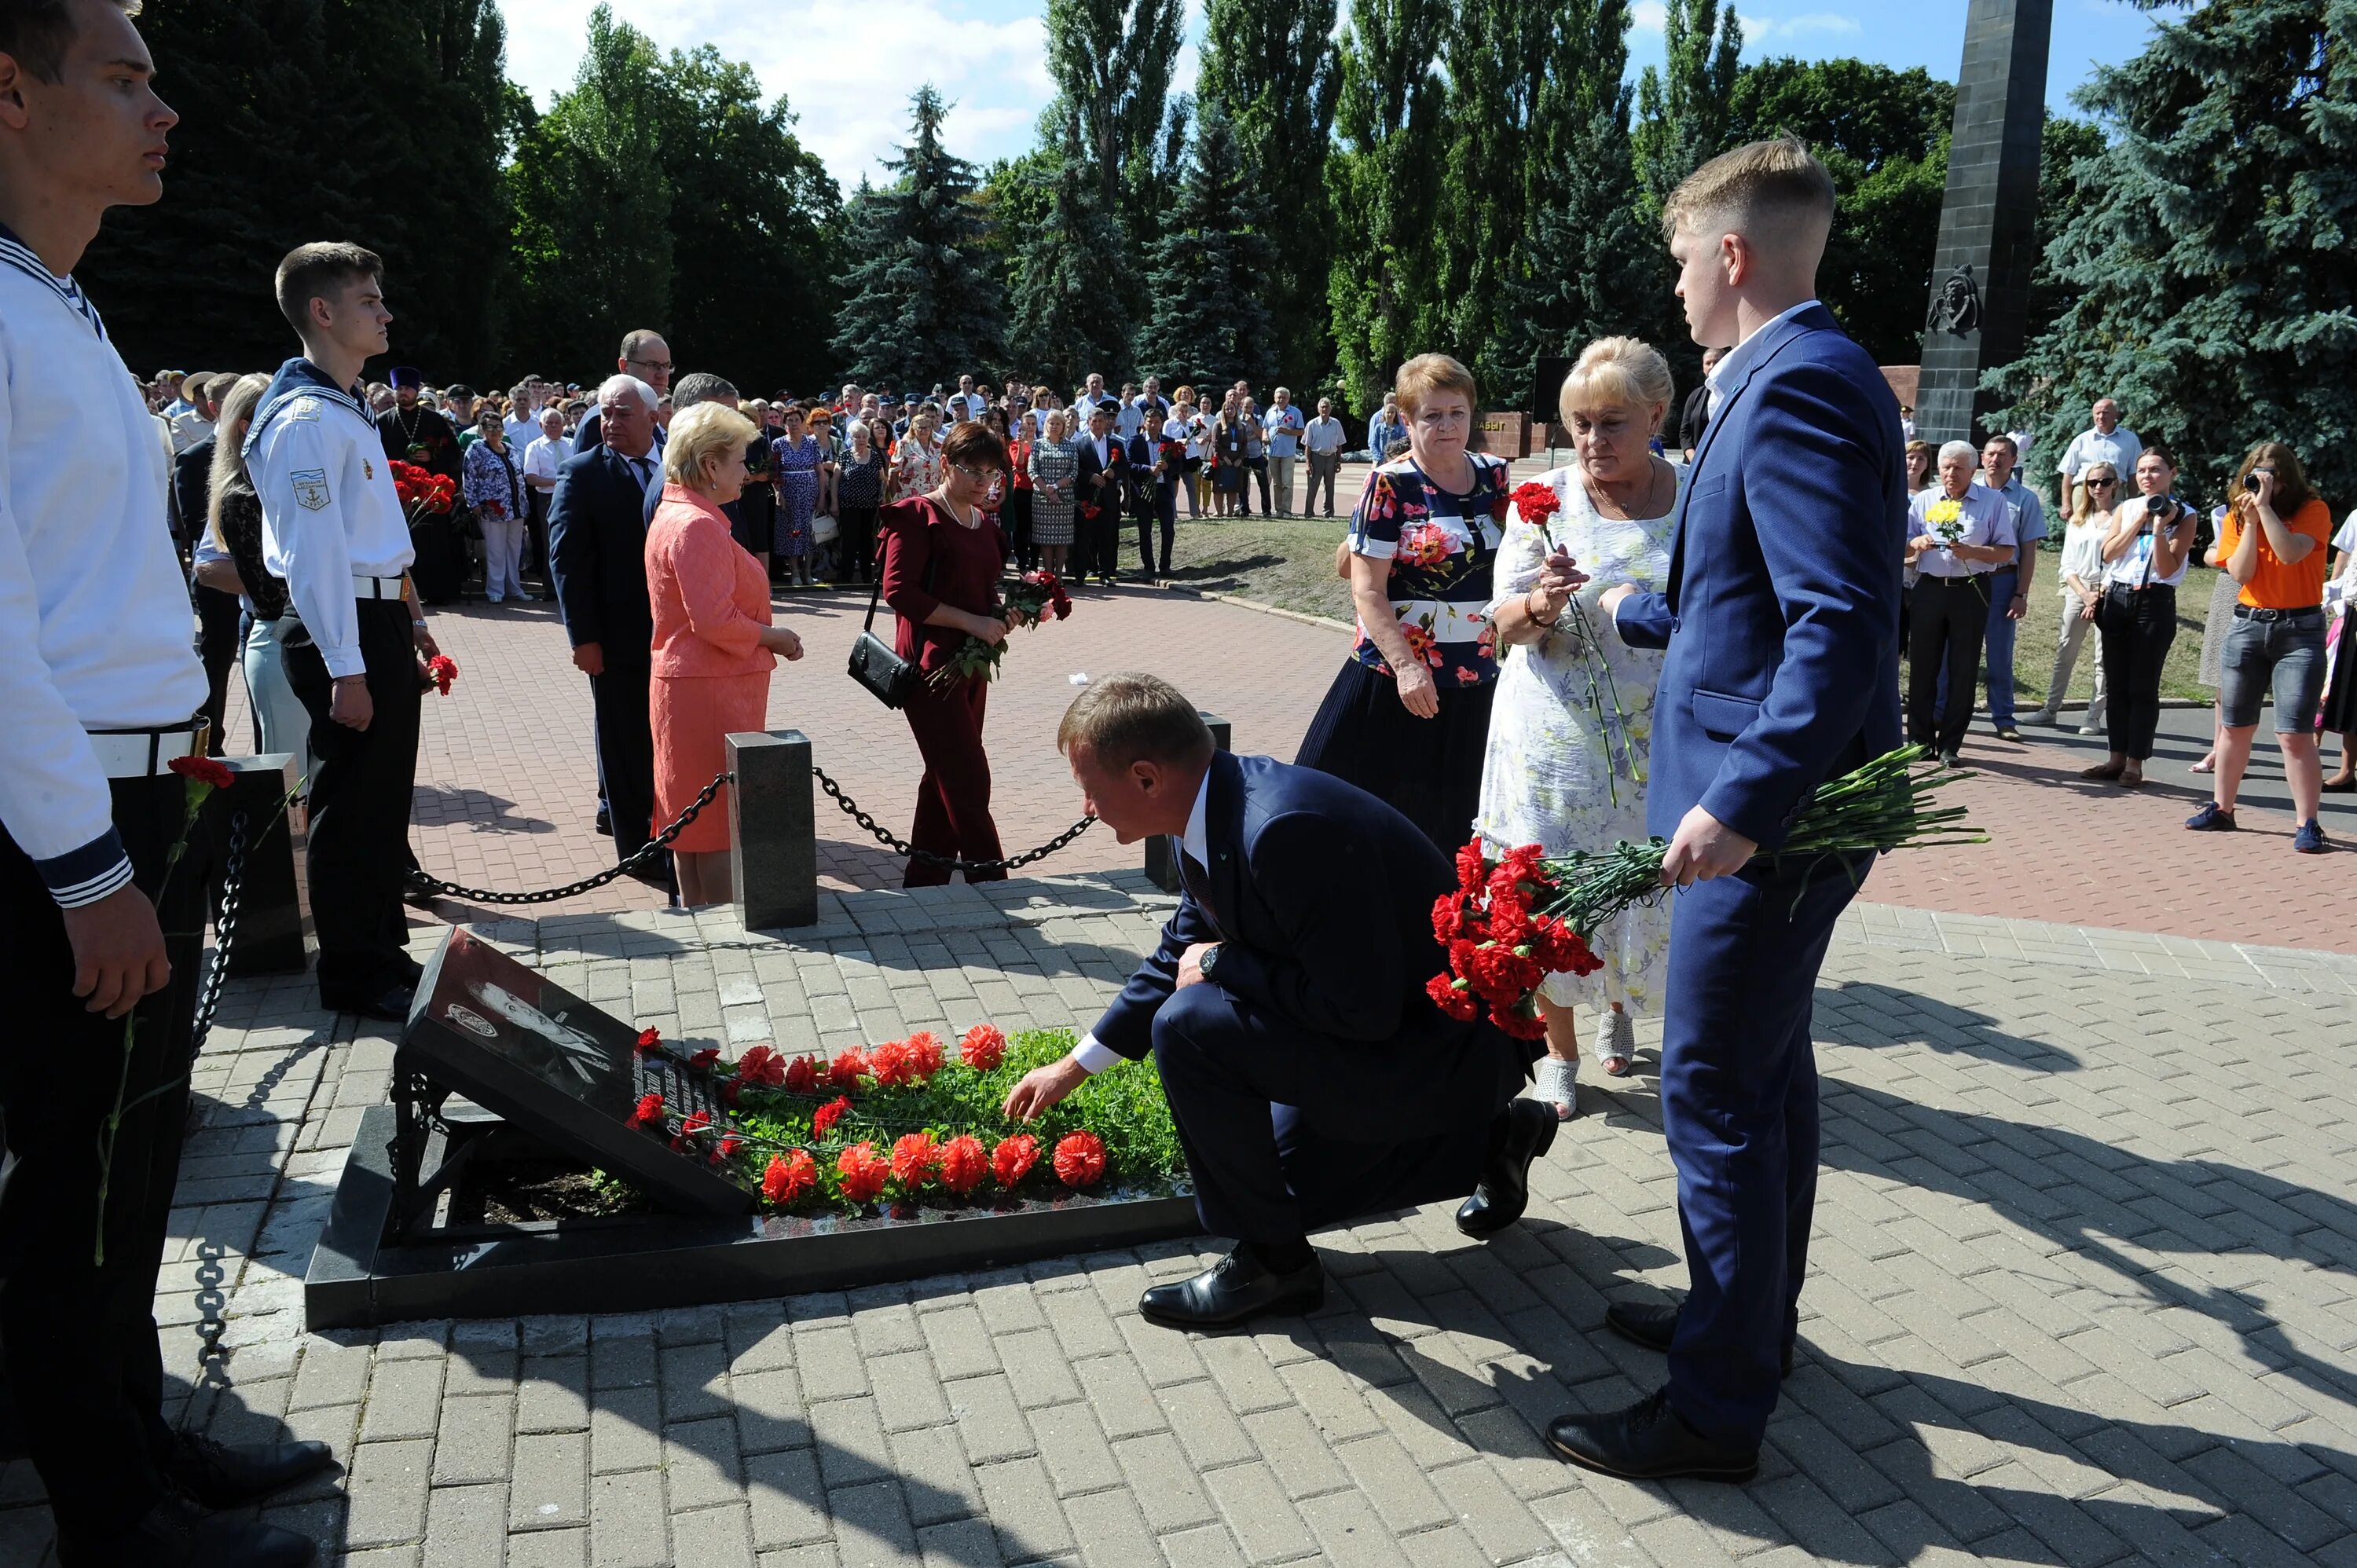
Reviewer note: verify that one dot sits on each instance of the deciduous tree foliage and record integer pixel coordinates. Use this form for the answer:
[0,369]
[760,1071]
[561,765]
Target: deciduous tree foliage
[1112,60]
[2214,263]
[1211,323]
[1682,107]
[1071,278]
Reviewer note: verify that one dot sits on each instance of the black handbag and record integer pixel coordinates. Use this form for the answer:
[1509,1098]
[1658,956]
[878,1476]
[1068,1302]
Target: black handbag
[874,663]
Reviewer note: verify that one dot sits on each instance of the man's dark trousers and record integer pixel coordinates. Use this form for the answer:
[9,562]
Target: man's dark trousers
[220,638]
[626,755]
[84,1359]
[1949,620]
[1741,1123]
[360,809]
[1165,510]
[1322,469]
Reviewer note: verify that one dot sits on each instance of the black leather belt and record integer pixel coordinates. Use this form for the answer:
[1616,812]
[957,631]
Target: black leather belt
[2246,612]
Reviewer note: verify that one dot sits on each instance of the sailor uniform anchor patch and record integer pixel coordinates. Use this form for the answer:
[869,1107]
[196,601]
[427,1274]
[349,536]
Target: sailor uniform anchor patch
[310,489]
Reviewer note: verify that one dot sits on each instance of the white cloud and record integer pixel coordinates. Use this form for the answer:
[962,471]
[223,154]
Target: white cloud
[1820,24]
[1649,16]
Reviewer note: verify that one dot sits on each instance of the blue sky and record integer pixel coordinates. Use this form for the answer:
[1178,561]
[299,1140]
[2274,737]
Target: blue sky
[848,69]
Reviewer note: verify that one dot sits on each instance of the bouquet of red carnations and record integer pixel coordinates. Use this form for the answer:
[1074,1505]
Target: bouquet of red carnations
[423,492]
[1512,922]
[442,670]
[1037,596]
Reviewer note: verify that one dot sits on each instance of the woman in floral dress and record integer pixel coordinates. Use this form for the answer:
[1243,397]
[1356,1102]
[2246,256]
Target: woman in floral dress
[795,460]
[1406,718]
[1572,723]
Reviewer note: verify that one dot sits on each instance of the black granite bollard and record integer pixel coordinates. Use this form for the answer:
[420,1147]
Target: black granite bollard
[773,831]
[1161,857]
[269,912]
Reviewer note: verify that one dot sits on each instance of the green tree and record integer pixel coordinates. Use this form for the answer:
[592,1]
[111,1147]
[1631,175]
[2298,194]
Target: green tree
[1212,323]
[1681,106]
[1271,70]
[2064,201]
[2214,263]
[921,297]
[593,207]
[1883,135]
[1384,181]
[1112,60]
[1070,282]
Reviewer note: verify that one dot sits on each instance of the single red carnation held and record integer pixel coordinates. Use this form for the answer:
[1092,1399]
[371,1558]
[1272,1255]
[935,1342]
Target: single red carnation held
[862,1173]
[789,1176]
[444,669]
[984,1046]
[1012,1160]
[1080,1159]
[915,1157]
[823,1119]
[964,1164]
[1536,501]
[209,771]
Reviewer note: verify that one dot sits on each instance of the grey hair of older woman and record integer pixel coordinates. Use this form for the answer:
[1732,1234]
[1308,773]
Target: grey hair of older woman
[1964,449]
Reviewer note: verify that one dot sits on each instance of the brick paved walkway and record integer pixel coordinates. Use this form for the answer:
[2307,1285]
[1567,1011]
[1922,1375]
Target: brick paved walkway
[2082,1293]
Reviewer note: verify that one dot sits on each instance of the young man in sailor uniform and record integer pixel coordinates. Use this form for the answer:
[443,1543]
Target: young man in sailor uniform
[332,526]
[97,684]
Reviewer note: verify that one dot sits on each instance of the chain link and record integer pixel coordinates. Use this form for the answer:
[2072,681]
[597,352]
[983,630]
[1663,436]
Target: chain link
[225,929]
[899,845]
[644,857]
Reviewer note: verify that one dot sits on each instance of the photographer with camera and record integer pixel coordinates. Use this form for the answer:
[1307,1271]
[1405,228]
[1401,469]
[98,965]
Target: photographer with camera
[2144,560]
[2272,541]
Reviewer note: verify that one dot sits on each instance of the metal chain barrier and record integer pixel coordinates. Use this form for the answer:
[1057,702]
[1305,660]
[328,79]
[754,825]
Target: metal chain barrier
[899,845]
[644,857]
[225,929]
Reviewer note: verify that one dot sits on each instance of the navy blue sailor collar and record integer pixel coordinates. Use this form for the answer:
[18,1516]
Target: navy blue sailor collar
[298,377]
[15,253]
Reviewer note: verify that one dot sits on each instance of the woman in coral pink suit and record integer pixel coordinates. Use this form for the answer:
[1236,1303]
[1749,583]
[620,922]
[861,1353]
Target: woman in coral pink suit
[714,645]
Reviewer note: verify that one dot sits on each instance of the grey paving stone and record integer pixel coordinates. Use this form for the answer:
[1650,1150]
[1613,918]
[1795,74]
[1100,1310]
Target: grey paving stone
[626,1520]
[465,1526]
[550,1487]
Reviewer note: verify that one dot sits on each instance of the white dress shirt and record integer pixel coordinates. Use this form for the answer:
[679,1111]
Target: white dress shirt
[2120,448]
[1322,435]
[522,431]
[94,609]
[546,455]
[1717,382]
[1092,1056]
[329,513]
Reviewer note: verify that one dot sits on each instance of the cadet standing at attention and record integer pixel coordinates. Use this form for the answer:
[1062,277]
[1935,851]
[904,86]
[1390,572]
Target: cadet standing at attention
[97,686]
[332,527]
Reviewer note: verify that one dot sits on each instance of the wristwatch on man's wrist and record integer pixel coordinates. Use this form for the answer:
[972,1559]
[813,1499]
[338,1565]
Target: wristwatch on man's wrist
[1210,956]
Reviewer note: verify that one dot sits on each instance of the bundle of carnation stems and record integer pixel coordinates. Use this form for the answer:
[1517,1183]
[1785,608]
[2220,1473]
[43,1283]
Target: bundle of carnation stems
[1512,922]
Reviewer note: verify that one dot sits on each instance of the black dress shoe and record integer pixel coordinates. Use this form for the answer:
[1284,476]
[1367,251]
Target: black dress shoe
[177,1533]
[1654,1326]
[222,1477]
[603,823]
[1648,1442]
[1505,1188]
[1236,1289]
[390,1004]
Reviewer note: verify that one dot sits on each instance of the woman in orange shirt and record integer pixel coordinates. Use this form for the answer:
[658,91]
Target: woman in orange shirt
[714,645]
[2271,540]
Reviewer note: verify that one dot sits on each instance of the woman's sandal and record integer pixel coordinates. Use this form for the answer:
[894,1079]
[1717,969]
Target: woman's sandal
[2131,778]
[2104,770]
[2209,764]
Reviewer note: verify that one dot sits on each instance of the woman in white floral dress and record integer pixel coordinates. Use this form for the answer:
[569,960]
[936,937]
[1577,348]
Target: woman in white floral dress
[1567,748]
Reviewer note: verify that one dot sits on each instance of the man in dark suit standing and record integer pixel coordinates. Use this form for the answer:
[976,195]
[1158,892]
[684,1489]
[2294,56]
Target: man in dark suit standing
[1695,417]
[1788,551]
[1099,483]
[596,547]
[1310,1075]
[221,619]
[1152,494]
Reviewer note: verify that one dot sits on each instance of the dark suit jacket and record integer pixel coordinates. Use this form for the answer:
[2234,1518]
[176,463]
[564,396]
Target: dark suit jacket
[1696,418]
[1781,615]
[1084,490]
[1320,896]
[193,484]
[597,551]
[1145,484]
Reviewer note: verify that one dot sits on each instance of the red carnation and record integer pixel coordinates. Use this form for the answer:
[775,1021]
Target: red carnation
[1447,918]
[846,1070]
[706,1058]
[1446,996]
[800,1075]
[650,1041]
[1502,976]
[1560,950]
[729,1143]
[696,1121]
[1080,1159]
[1012,1160]
[964,1164]
[444,669]
[984,1046]
[209,771]
[924,1055]
[732,1091]
[864,1172]
[889,1064]
[1470,867]
[915,1157]
[1536,501]
[649,1110]
[789,1176]
[1510,919]
[823,1119]
[1520,1024]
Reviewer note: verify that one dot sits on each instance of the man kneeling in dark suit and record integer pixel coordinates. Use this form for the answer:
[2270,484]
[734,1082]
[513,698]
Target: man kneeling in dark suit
[1310,1076]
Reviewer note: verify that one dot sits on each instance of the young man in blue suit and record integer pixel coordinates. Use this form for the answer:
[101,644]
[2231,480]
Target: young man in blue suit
[1310,1076]
[1781,622]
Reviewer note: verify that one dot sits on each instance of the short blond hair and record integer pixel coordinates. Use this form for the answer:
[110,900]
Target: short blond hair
[1425,374]
[1760,185]
[1616,372]
[700,434]
[1129,717]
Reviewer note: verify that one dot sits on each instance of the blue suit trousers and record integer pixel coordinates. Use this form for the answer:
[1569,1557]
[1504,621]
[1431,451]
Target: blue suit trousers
[1739,1109]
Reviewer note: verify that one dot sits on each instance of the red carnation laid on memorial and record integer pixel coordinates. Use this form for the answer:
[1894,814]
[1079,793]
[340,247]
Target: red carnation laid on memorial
[789,1176]
[444,671]
[799,1075]
[706,1058]
[1012,1160]
[649,1110]
[847,1068]
[729,1143]
[209,771]
[696,1121]
[1080,1159]
[915,1157]
[823,1119]
[984,1046]
[925,1054]
[889,1065]
[862,1172]
[650,1041]
[964,1164]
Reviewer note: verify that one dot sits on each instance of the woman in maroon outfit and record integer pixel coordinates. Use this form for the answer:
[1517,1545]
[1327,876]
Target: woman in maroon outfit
[942,557]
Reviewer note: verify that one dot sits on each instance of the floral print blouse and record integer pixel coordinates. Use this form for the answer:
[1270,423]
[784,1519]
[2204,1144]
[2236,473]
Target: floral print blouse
[1442,547]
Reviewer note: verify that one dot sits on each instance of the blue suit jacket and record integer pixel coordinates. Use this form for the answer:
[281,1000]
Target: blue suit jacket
[597,555]
[1781,614]
[1321,898]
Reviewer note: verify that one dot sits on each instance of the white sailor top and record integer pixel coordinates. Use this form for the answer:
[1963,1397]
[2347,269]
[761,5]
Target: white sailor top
[330,512]
[94,609]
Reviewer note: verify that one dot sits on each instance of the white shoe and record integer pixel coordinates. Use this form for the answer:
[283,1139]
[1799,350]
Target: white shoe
[2091,729]
[1558,1085]
[1615,1042]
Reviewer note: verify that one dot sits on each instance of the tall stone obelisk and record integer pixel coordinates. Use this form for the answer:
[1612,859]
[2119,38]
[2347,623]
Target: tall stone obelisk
[1989,222]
